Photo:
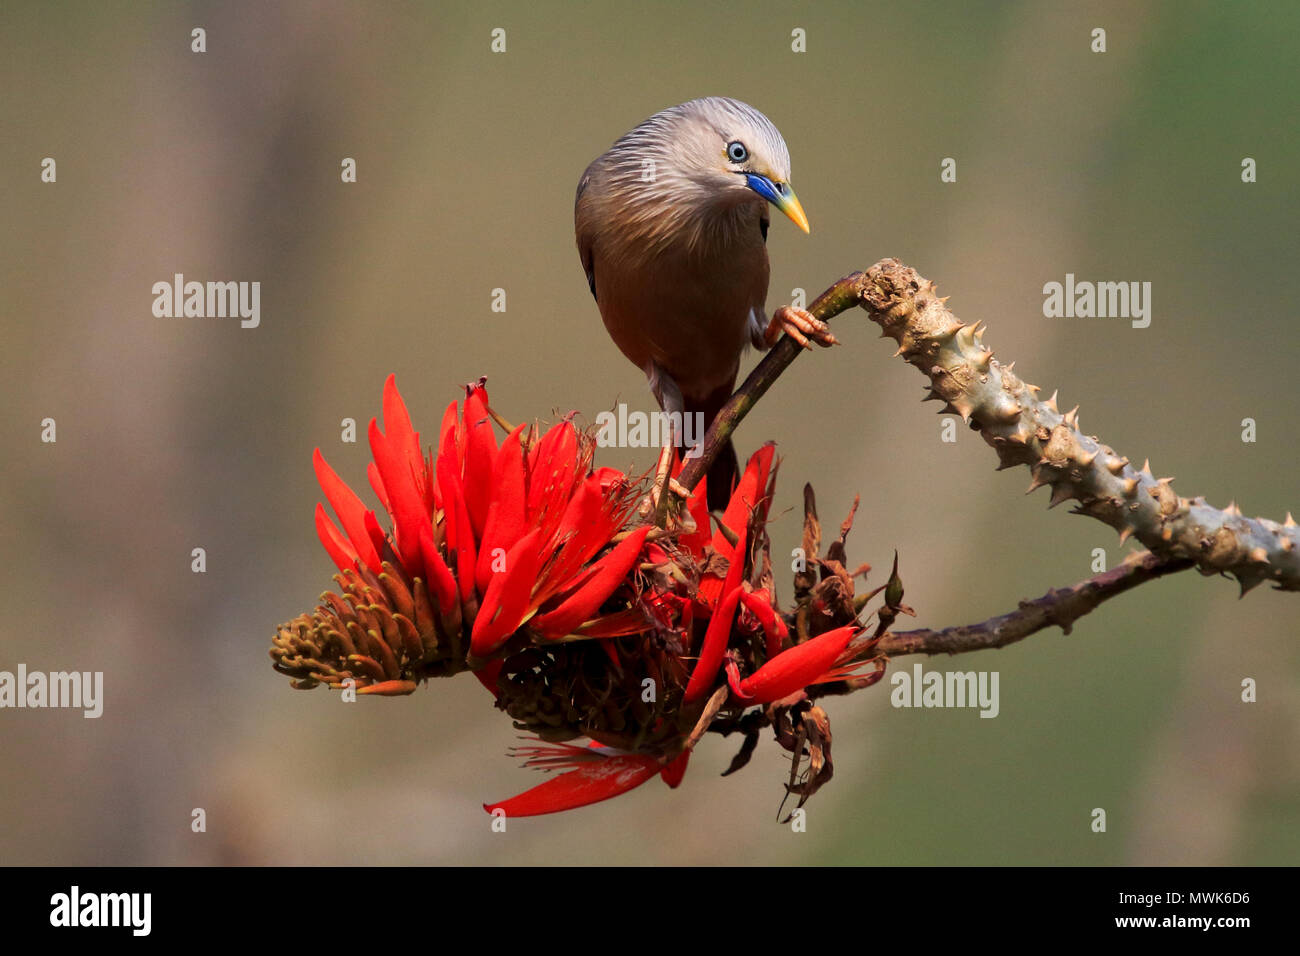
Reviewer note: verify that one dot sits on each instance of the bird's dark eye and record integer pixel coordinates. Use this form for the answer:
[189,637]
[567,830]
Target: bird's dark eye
[736,152]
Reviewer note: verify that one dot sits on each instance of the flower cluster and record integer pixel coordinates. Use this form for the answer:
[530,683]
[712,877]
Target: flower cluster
[519,560]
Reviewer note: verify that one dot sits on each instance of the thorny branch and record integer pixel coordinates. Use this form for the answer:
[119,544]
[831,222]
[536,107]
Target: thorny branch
[1023,430]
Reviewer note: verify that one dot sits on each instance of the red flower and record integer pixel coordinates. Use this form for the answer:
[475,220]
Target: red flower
[793,670]
[599,773]
[496,532]
[521,562]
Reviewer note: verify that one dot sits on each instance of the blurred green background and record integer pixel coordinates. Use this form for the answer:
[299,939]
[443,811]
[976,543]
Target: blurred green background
[183,433]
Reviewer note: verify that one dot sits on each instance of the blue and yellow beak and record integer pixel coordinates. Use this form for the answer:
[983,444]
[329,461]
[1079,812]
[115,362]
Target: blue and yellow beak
[781,196]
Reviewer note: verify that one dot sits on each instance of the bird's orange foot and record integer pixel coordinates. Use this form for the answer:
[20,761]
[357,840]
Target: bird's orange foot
[801,325]
[660,496]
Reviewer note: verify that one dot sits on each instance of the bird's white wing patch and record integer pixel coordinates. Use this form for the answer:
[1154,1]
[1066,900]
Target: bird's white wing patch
[756,326]
[665,390]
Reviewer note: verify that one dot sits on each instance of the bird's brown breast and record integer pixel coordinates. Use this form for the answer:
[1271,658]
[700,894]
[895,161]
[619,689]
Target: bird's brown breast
[685,305]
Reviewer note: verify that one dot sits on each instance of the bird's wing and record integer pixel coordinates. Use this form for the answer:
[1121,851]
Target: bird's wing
[586,241]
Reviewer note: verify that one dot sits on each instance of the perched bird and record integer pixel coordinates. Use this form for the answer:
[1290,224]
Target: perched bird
[672,224]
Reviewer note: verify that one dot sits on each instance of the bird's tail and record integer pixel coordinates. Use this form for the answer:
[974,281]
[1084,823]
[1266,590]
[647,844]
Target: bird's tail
[726,467]
[722,476]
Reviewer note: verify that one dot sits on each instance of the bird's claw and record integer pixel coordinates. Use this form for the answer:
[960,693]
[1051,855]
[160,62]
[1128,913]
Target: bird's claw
[801,325]
[659,493]
[655,503]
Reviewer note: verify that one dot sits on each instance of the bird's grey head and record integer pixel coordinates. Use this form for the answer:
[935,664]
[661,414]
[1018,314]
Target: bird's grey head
[705,156]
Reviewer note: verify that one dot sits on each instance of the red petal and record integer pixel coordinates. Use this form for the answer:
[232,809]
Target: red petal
[612,653]
[480,451]
[588,523]
[446,448]
[773,627]
[488,674]
[588,784]
[736,557]
[389,688]
[460,535]
[447,432]
[630,621]
[433,500]
[507,519]
[349,508]
[552,472]
[797,667]
[698,507]
[377,486]
[439,577]
[401,435]
[586,600]
[378,539]
[610,478]
[336,546]
[719,632]
[749,492]
[673,773]
[407,501]
[507,598]
[715,645]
